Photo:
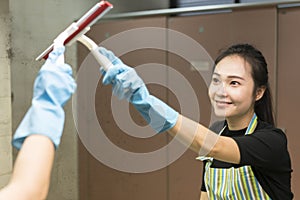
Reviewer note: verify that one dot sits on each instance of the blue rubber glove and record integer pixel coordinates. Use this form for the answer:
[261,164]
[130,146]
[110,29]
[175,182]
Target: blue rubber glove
[53,87]
[128,85]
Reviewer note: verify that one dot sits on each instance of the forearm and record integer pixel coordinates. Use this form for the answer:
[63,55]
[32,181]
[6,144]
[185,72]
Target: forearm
[32,170]
[204,141]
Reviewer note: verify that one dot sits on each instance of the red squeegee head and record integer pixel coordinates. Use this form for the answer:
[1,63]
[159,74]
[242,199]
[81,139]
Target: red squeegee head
[82,25]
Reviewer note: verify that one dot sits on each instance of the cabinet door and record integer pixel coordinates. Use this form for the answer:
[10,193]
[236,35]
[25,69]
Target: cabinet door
[98,180]
[214,32]
[288,86]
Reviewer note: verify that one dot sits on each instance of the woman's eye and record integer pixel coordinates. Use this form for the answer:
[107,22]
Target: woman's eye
[234,83]
[215,80]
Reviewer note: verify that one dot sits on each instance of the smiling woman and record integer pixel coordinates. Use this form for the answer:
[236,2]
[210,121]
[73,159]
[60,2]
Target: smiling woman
[240,92]
[232,85]
[245,156]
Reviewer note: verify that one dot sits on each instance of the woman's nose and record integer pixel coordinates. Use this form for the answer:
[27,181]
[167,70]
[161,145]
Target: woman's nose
[221,90]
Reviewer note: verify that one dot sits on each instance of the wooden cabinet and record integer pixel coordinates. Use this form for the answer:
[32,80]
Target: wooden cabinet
[288,93]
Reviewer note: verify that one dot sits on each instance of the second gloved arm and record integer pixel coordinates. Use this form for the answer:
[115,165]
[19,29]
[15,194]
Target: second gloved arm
[53,87]
[128,85]
[161,117]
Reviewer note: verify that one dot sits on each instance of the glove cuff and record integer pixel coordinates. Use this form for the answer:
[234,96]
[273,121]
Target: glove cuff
[162,116]
[158,114]
[47,121]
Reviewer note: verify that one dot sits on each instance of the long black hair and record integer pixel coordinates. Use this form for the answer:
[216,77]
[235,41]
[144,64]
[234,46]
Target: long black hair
[263,107]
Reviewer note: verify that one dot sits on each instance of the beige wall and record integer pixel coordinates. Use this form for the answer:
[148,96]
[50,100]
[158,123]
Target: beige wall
[5,95]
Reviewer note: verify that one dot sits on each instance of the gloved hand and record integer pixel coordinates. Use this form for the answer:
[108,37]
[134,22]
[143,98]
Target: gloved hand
[53,87]
[128,85]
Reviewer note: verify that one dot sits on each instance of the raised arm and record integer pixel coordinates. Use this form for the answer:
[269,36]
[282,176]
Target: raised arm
[40,131]
[161,117]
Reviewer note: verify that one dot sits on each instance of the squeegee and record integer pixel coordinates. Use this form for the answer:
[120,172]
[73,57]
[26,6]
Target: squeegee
[76,31]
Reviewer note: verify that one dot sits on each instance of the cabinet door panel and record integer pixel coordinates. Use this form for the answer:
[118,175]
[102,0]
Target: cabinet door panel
[288,87]
[98,181]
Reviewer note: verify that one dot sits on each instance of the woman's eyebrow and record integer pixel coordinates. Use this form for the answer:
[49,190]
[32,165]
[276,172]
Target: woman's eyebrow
[229,76]
[216,74]
[238,77]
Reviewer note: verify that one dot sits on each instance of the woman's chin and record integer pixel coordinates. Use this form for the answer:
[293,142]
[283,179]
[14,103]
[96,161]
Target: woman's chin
[221,113]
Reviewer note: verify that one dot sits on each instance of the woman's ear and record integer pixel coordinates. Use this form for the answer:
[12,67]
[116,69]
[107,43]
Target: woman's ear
[260,93]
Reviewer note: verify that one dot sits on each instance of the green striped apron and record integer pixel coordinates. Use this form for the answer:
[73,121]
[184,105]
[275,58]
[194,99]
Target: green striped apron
[233,183]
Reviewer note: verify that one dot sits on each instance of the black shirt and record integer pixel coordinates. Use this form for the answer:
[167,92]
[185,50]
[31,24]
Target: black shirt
[265,150]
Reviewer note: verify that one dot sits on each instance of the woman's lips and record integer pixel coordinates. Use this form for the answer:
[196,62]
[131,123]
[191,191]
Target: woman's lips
[223,103]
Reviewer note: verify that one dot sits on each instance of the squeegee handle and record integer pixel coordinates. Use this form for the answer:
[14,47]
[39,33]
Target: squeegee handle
[101,59]
[94,48]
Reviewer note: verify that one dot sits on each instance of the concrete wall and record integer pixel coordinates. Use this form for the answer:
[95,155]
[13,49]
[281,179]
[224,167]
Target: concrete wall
[5,95]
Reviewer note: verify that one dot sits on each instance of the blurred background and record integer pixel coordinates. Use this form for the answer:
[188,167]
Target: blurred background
[29,26]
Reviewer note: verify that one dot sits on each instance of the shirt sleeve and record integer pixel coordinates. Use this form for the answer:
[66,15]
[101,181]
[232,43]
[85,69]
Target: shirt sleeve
[263,148]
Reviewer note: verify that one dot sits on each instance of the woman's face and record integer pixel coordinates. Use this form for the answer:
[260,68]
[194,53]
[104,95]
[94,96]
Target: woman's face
[231,88]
